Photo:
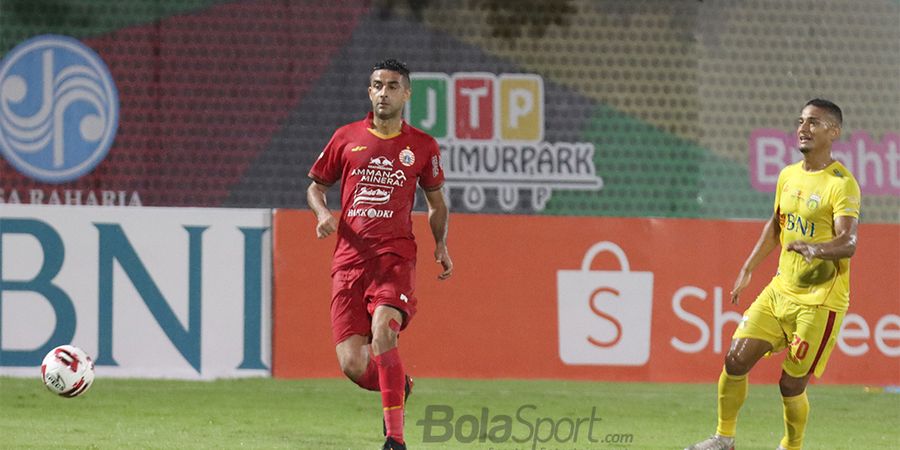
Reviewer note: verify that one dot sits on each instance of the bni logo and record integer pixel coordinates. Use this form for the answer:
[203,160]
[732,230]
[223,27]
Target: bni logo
[59,108]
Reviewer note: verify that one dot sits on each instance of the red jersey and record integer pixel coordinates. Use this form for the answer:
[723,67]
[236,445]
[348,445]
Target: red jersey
[378,177]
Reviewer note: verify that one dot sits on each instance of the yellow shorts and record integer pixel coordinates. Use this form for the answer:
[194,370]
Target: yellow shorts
[807,332]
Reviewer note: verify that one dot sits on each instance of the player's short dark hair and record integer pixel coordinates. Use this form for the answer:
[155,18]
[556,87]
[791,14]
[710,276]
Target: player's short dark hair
[829,106]
[394,66]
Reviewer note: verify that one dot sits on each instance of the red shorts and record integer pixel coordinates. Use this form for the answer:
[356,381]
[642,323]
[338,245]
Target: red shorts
[356,291]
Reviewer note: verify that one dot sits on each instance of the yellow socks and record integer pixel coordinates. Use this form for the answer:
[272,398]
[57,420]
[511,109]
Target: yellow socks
[732,393]
[796,411]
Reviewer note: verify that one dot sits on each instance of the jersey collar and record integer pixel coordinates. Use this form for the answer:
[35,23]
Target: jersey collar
[370,127]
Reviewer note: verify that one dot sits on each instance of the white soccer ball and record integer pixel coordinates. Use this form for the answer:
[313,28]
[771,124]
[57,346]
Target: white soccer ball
[68,371]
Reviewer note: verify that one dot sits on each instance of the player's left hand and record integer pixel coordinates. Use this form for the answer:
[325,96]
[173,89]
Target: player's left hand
[809,251]
[442,257]
[740,283]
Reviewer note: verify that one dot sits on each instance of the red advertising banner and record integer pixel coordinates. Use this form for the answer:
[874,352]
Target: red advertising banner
[582,298]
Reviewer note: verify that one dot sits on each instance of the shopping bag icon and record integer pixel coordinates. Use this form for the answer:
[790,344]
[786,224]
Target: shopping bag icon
[604,316]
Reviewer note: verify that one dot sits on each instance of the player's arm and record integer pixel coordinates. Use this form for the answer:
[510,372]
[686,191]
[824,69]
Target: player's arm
[439,219]
[842,246]
[315,198]
[768,241]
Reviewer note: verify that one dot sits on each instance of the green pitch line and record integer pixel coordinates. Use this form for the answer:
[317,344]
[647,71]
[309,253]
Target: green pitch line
[334,414]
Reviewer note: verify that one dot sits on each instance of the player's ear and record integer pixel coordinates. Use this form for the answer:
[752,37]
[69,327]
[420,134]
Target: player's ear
[835,132]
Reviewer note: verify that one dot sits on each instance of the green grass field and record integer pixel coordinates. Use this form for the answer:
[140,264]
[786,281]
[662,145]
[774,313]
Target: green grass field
[334,414]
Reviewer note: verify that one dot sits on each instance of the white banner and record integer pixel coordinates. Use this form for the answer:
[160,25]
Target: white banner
[147,292]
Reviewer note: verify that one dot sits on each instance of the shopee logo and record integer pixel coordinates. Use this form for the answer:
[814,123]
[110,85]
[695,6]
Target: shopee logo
[604,316]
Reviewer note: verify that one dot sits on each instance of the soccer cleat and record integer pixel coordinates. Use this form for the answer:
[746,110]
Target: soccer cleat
[780,447]
[406,391]
[391,444]
[715,442]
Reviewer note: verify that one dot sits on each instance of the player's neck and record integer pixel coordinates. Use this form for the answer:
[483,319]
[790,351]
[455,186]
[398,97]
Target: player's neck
[387,126]
[817,160]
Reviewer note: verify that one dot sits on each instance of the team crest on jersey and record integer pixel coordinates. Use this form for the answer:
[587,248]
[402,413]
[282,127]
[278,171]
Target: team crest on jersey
[407,157]
[813,202]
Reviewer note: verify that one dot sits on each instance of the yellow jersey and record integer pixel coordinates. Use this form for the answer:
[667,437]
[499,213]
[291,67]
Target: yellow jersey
[807,204]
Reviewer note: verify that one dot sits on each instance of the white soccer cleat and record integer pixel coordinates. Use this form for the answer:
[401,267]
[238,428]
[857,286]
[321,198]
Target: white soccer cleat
[715,442]
[780,447]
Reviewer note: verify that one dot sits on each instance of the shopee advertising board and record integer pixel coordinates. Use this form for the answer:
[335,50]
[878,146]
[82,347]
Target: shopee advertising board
[582,298]
[147,292]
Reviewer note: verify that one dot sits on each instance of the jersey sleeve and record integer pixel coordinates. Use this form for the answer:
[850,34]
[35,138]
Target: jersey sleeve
[327,168]
[432,176]
[782,176]
[847,199]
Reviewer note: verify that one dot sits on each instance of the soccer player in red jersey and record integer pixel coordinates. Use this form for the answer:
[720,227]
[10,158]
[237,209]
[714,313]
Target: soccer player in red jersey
[378,160]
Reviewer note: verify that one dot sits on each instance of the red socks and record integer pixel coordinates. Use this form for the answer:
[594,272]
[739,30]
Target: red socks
[392,379]
[369,379]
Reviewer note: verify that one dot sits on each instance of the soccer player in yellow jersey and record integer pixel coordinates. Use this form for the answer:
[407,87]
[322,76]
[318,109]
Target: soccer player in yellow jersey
[815,221]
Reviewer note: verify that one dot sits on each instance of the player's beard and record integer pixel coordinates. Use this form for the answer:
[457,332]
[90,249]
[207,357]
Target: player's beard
[388,114]
[805,146]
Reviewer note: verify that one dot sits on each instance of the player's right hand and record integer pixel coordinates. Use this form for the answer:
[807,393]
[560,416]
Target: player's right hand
[442,257]
[327,225]
[742,281]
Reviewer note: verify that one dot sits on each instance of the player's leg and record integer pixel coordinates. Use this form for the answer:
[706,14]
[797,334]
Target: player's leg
[796,410]
[732,390]
[356,363]
[733,381]
[350,328]
[813,337]
[386,321]
[393,306]
[391,376]
[756,335]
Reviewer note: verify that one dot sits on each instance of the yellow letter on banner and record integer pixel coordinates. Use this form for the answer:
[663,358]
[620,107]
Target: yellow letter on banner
[521,105]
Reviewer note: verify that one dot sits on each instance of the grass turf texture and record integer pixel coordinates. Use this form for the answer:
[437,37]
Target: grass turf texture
[334,414]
